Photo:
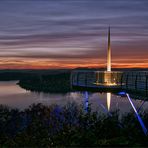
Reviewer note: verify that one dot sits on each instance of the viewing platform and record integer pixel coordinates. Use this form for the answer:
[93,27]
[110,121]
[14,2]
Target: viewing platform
[97,79]
[136,81]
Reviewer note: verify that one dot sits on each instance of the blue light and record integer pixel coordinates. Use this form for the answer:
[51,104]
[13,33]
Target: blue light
[137,115]
[121,93]
[86,101]
[136,112]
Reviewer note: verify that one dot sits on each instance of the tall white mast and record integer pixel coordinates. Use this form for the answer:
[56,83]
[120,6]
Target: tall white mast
[109,52]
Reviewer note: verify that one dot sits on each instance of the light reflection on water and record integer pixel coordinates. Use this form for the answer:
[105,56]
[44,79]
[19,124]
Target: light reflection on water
[14,96]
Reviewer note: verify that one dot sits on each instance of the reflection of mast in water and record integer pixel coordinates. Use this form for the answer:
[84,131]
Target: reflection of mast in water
[108,101]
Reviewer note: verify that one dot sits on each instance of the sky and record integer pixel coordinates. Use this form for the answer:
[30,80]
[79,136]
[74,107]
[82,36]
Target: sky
[42,34]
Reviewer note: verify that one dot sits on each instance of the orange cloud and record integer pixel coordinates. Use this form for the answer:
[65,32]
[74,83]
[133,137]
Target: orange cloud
[20,63]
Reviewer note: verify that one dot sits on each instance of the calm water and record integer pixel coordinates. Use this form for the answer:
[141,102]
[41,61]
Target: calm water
[14,96]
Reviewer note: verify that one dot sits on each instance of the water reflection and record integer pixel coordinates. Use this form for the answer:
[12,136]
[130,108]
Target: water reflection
[86,101]
[104,108]
[108,100]
[14,96]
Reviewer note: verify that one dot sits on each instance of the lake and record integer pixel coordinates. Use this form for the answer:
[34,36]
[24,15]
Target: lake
[14,96]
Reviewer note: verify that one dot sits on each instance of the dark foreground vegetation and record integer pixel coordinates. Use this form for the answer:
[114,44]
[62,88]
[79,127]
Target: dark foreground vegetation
[68,126]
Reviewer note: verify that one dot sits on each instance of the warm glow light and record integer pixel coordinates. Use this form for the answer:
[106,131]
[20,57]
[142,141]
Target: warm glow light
[108,101]
[109,53]
[111,84]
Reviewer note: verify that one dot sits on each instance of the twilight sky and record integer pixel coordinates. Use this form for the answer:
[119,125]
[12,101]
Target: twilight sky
[73,33]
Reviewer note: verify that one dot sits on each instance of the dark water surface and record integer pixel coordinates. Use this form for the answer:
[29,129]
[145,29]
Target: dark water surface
[14,96]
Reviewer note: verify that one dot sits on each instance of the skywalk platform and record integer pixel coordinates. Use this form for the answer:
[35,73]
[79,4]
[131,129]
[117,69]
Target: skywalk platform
[134,81]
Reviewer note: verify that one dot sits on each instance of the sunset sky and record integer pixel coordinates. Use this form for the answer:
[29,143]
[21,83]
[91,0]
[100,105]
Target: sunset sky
[72,33]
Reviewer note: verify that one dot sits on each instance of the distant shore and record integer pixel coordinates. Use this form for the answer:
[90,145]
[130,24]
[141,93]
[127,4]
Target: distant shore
[53,83]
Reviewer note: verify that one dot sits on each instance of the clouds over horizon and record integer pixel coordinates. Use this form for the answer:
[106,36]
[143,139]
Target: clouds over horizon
[73,31]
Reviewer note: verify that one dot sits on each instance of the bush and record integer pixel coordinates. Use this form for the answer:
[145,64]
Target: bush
[70,126]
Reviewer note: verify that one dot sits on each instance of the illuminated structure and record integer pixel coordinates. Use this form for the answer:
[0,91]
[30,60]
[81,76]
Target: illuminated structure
[108,73]
[109,52]
[137,81]
[107,78]
[99,79]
